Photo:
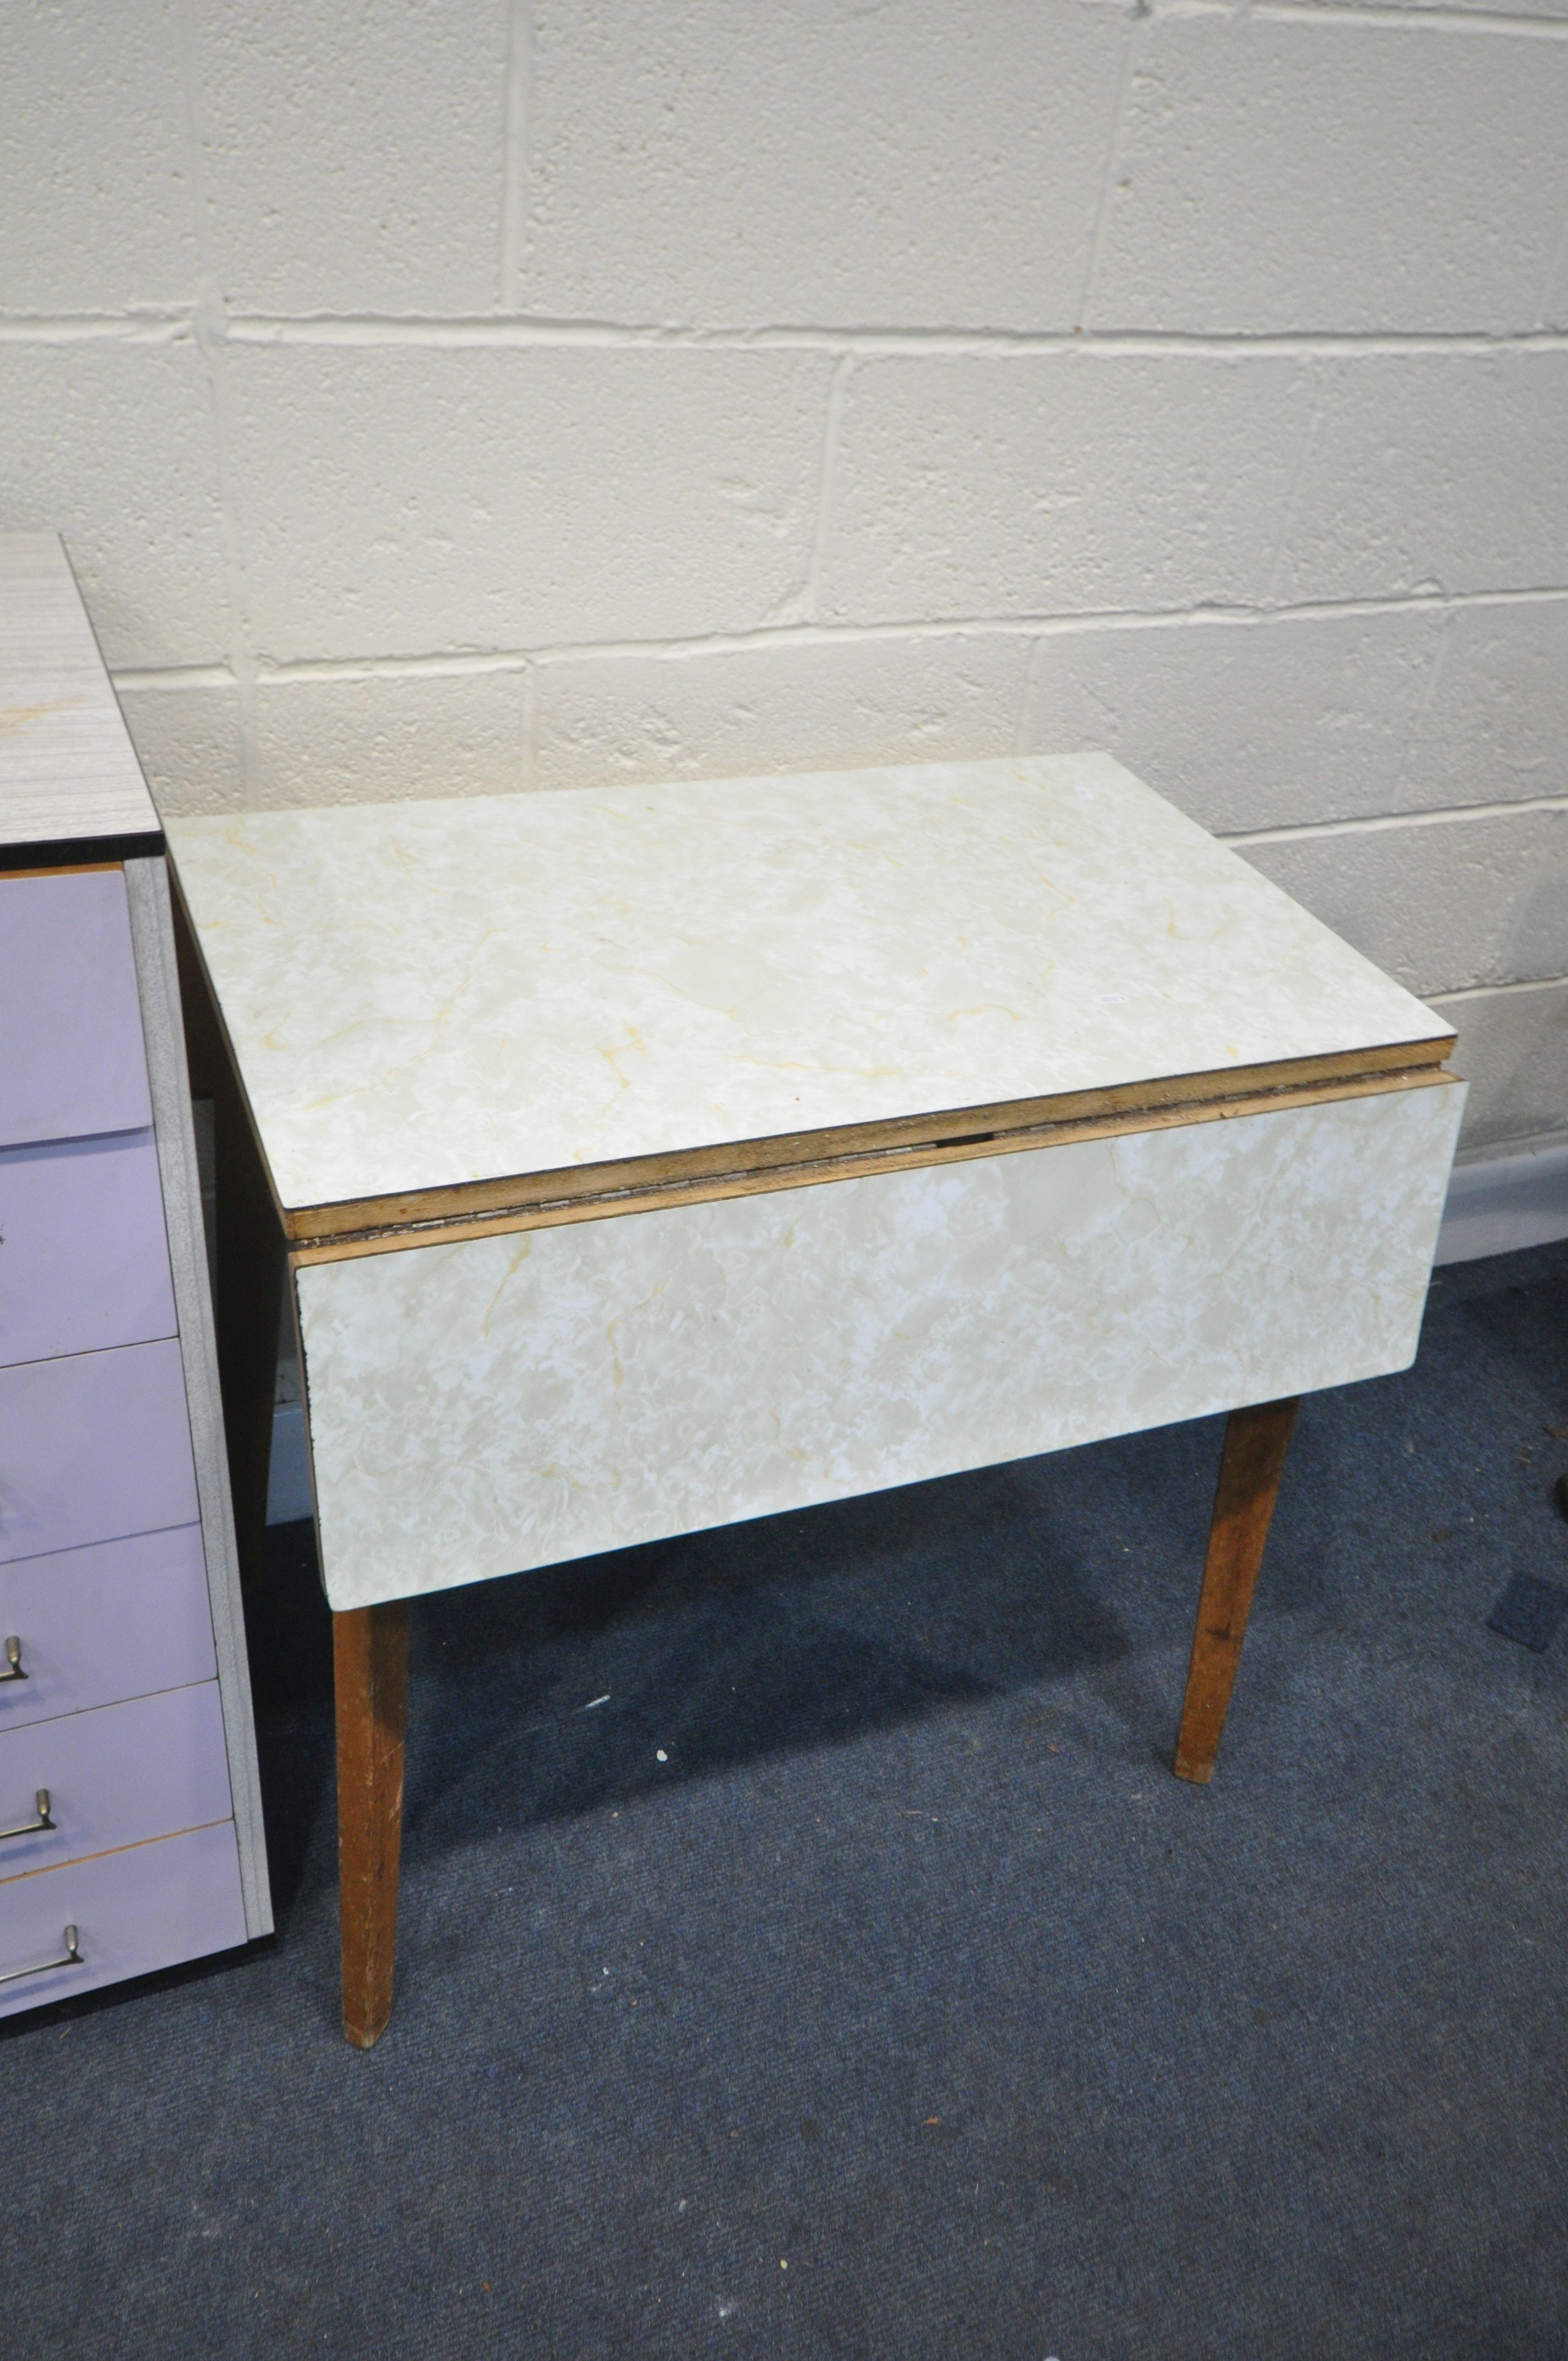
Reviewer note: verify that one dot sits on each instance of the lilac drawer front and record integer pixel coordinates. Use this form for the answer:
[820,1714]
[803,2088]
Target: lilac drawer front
[93,1448]
[96,1625]
[134,1911]
[72,1059]
[115,1776]
[84,1254]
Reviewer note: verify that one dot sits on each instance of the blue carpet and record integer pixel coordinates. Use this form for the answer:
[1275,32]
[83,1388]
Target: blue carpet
[909,2007]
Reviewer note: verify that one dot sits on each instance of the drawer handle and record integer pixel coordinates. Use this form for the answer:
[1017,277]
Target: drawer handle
[69,1957]
[13,1660]
[31,1827]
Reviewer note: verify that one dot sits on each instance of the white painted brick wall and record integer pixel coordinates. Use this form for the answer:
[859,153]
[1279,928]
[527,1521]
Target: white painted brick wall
[912,165]
[400,500]
[350,155]
[1252,721]
[1431,471]
[98,209]
[833,700]
[345,741]
[1446,904]
[472,395]
[111,440]
[1268,180]
[1513,1046]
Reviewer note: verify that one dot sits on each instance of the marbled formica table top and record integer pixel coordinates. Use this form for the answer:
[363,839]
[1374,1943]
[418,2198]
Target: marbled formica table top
[423,994]
[68,770]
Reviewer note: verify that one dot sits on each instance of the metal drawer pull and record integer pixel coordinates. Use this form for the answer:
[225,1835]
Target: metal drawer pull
[13,1660]
[31,1827]
[69,1957]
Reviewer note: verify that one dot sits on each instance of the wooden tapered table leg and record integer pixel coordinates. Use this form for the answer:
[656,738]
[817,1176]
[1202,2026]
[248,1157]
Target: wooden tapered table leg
[1251,1464]
[370,1662]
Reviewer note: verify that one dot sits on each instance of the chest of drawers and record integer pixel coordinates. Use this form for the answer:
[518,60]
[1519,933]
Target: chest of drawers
[130,1830]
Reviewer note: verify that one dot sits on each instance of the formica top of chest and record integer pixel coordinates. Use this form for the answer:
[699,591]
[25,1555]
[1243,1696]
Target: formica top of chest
[423,996]
[68,776]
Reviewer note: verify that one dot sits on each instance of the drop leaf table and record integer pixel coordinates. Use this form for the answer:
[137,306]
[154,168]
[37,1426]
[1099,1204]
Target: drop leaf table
[643,1160]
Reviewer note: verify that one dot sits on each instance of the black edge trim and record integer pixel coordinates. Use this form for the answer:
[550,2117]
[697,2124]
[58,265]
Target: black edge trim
[81,851]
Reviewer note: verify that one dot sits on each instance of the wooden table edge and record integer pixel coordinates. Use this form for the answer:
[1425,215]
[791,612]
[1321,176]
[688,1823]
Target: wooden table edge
[439,1216]
[340,1229]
